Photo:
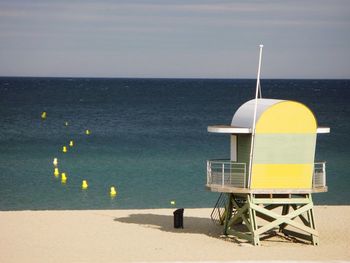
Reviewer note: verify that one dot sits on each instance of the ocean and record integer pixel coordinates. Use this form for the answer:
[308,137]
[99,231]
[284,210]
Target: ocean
[148,138]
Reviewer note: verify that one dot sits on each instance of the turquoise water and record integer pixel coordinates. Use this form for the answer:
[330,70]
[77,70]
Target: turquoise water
[148,138]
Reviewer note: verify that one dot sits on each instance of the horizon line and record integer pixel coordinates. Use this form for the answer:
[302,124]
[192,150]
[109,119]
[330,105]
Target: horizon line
[189,78]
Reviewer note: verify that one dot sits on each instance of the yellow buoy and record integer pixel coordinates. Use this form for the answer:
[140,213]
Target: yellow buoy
[71,143]
[64,149]
[55,161]
[43,115]
[87,132]
[113,191]
[84,185]
[173,202]
[63,178]
[56,172]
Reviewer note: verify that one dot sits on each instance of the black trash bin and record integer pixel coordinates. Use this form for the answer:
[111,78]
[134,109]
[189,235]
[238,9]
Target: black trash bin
[179,218]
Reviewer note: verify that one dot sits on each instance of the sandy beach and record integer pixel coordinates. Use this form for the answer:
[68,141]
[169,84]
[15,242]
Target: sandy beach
[148,235]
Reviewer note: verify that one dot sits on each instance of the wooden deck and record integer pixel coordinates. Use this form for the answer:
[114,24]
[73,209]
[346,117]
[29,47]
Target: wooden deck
[248,130]
[236,190]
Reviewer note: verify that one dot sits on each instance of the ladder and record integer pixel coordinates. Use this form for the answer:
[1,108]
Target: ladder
[219,212]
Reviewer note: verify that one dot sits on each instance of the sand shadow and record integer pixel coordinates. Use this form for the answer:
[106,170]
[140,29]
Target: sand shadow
[197,225]
[192,225]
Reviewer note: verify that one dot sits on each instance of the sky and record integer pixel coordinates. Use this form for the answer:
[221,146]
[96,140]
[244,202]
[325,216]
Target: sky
[175,39]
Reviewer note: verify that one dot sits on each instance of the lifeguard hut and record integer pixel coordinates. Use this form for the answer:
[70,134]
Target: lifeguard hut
[268,181]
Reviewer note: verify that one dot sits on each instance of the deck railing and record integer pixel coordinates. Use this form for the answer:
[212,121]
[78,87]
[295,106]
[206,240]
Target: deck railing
[319,178]
[226,173]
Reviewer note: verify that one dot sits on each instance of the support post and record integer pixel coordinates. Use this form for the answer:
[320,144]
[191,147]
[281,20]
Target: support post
[257,206]
[253,223]
[310,216]
[285,211]
[228,213]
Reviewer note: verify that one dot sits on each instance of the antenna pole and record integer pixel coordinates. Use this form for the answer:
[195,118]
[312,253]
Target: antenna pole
[258,88]
[260,93]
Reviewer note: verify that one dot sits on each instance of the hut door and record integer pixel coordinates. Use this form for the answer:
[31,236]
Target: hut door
[234,148]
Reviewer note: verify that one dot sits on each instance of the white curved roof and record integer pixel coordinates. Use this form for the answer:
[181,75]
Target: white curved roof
[244,116]
[242,121]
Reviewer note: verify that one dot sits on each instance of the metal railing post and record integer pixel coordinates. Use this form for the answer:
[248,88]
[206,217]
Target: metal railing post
[208,172]
[244,176]
[314,176]
[324,173]
[223,174]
